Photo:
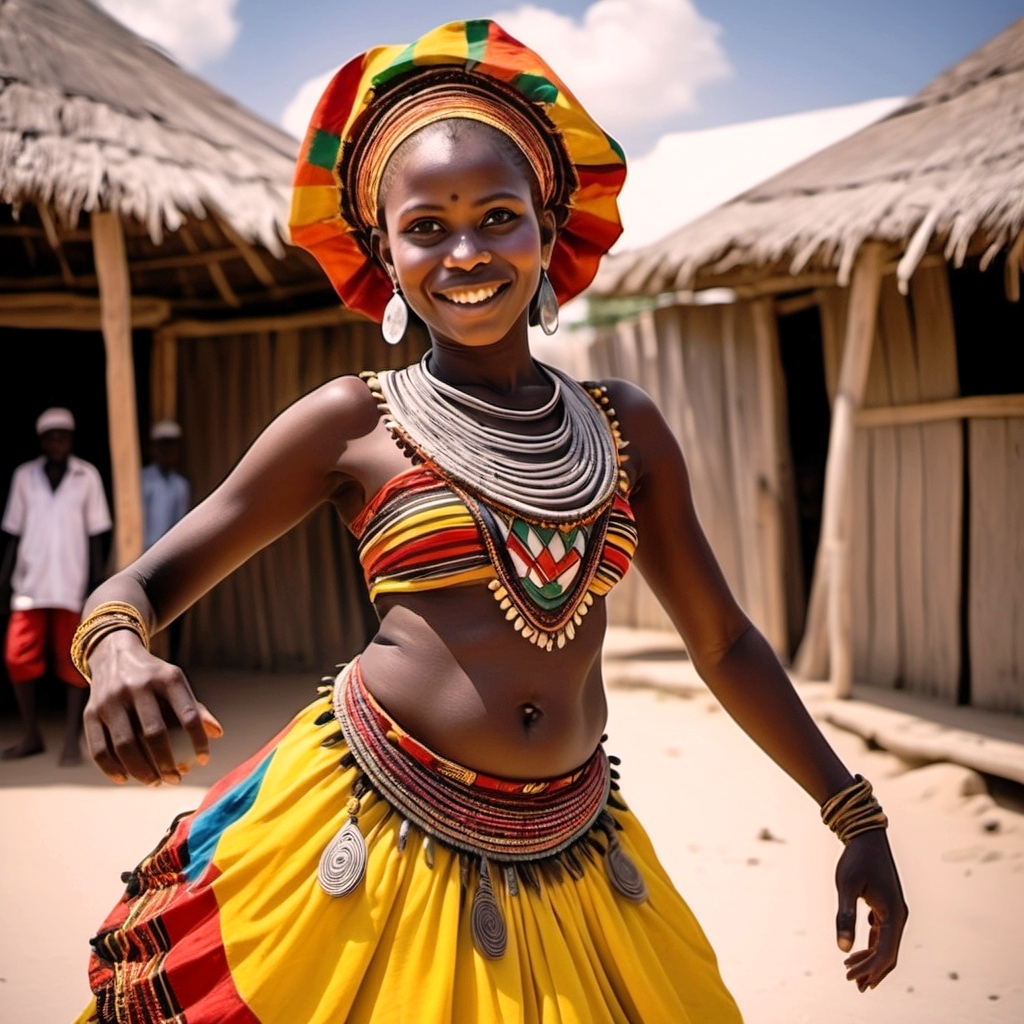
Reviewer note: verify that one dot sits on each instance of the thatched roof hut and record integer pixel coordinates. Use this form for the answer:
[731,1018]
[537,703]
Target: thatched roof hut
[145,274]
[94,118]
[943,173]
[840,348]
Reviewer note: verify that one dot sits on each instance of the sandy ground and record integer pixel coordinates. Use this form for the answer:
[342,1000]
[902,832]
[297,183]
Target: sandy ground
[710,800]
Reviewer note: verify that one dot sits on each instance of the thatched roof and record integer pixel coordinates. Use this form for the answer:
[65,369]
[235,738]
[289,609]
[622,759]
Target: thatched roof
[92,116]
[943,172]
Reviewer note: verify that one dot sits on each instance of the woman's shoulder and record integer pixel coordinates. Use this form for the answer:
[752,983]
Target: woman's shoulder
[628,403]
[343,405]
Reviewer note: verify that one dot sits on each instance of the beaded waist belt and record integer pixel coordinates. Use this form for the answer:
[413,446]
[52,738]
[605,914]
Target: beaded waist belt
[468,810]
[527,830]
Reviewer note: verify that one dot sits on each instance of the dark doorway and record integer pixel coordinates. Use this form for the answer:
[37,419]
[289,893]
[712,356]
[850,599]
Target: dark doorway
[62,368]
[809,420]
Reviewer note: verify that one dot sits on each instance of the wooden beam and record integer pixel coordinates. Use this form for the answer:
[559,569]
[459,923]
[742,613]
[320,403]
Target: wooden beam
[797,303]
[221,283]
[190,259]
[125,457]
[61,311]
[55,244]
[861,322]
[163,376]
[328,317]
[972,407]
[769,484]
[252,258]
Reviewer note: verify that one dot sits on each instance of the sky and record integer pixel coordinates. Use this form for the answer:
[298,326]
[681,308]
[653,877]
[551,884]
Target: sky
[644,67]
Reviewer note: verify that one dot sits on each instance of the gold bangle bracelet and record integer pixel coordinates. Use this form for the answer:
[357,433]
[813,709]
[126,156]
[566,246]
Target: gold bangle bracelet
[100,623]
[853,811]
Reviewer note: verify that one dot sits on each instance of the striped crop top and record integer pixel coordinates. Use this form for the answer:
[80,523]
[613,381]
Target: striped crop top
[420,532]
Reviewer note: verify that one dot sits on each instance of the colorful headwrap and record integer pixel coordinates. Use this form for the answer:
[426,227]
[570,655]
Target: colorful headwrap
[466,69]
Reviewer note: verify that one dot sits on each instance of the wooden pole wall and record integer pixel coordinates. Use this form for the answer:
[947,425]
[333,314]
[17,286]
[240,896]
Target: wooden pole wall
[865,288]
[122,420]
[163,376]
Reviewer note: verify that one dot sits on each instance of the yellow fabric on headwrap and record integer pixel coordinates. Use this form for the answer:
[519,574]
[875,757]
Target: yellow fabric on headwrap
[483,51]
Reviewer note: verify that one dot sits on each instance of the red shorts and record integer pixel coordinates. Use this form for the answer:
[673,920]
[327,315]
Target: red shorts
[33,635]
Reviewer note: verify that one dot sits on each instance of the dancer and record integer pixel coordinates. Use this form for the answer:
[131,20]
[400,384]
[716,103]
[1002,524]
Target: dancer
[440,835]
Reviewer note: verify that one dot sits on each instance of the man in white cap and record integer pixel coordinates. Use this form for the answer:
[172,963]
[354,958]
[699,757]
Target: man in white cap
[55,520]
[166,497]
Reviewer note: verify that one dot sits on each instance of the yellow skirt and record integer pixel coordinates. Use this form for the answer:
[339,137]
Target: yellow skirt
[226,923]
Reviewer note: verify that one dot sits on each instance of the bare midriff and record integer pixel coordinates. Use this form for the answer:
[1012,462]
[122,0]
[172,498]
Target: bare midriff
[450,670]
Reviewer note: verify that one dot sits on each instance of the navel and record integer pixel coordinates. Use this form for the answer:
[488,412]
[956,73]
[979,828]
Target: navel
[455,197]
[531,714]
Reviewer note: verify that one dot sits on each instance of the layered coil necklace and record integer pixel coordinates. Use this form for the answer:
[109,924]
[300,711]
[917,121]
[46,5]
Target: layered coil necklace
[543,503]
[563,475]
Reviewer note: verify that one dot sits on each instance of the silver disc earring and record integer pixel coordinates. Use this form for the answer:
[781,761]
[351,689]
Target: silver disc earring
[396,319]
[544,308]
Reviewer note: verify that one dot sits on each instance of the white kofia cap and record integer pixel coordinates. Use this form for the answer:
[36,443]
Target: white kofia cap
[165,430]
[55,419]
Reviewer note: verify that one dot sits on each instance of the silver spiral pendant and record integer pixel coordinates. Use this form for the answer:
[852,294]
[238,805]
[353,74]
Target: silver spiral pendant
[343,862]
[490,937]
[623,873]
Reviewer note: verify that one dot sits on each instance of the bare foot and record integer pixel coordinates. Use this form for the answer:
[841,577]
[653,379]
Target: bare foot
[26,748]
[70,756]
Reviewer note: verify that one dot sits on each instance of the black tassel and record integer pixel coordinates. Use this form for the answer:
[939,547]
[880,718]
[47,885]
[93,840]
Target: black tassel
[347,760]
[333,740]
[572,864]
[528,876]
[614,759]
[324,717]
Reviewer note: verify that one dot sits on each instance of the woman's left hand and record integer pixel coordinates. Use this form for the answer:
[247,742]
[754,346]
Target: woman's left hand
[866,870]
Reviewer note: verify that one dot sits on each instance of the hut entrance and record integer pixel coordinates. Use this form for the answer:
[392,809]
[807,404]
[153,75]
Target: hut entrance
[54,368]
[65,368]
[808,419]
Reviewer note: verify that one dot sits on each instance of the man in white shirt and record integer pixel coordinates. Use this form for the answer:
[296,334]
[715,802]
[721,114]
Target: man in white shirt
[55,519]
[166,495]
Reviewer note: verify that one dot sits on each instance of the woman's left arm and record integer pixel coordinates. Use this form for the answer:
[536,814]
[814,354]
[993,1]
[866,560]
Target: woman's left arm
[743,672]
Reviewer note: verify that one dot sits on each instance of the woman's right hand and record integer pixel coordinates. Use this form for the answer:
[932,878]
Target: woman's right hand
[125,724]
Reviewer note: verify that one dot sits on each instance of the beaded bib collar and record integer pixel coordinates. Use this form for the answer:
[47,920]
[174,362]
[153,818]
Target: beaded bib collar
[547,568]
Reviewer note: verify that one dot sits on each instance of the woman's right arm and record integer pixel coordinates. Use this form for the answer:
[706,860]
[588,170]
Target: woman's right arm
[292,467]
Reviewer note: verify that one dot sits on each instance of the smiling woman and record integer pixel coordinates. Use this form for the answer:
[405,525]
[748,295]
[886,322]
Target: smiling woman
[440,836]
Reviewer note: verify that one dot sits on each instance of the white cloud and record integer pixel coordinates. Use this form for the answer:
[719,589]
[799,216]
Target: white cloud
[194,32]
[630,62]
[295,118]
[689,173]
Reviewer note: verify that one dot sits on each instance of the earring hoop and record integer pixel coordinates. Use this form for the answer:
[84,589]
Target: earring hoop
[544,307]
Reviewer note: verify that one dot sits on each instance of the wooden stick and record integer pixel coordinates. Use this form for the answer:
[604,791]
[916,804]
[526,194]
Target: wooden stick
[163,375]
[61,311]
[55,244]
[972,407]
[796,303]
[252,258]
[221,283]
[862,316]
[329,317]
[1012,269]
[191,259]
[125,458]
[769,490]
